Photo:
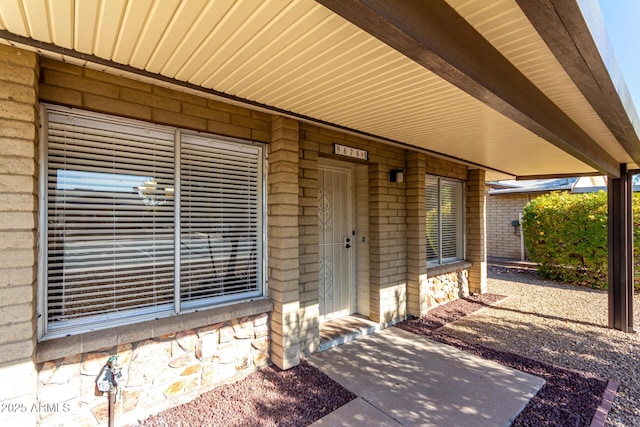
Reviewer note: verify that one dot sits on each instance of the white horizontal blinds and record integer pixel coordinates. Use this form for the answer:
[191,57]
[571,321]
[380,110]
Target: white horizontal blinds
[220,220]
[110,220]
[451,213]
[432,218]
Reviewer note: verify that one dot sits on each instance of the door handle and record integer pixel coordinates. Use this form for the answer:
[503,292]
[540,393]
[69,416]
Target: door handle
[347,243]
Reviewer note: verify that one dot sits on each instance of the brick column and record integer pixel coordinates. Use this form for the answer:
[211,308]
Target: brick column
[309,246]
[387,247]
[18,233]
[476,231]
[417,285]
[284,242]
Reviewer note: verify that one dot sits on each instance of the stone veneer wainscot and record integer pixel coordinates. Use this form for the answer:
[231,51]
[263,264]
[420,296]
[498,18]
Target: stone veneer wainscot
[160,372]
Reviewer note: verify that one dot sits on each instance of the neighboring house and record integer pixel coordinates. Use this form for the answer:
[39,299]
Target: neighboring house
[196,186]
[507,200]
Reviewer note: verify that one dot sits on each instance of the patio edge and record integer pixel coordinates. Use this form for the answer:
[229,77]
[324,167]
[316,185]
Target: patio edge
[600,417]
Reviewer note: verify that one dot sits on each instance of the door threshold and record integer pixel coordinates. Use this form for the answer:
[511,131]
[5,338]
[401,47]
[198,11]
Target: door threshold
[344,329]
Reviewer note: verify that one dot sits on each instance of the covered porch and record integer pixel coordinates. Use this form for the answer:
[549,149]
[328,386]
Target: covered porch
[404,110]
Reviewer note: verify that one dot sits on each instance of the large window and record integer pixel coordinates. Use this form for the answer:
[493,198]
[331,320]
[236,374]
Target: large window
[143,221]
[444,218]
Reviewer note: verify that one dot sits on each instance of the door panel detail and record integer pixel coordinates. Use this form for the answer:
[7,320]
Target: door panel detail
[335,241]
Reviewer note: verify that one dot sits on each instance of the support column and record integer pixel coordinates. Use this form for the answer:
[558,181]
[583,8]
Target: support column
[19,72]
[476,235]
[387,247]
[283,243]
[309,236]
[417,284]
[620,239]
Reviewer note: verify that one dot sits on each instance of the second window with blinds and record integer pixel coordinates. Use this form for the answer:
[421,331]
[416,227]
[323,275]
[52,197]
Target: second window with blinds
[444,217]
[144,221]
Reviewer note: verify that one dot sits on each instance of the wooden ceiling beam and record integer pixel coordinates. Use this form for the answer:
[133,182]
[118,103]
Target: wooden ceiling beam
[435,36]
[564,29]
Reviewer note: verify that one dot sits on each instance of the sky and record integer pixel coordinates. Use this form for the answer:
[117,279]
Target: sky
[622,21]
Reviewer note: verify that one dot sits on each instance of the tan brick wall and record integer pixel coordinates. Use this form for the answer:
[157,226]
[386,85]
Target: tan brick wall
[417,283]
[283,237]
[18,230]
[476,238]
[362,240]
[75,86]
[503,241]
[309,251]
[446,168]
[388,245]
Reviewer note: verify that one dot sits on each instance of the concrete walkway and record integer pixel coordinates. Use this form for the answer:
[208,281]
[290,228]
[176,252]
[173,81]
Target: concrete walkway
[402,379]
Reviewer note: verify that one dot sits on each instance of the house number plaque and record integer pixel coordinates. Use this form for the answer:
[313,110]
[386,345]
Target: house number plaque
[356,153]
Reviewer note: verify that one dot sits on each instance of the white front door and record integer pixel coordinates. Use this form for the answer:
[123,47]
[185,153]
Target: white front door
[335,218]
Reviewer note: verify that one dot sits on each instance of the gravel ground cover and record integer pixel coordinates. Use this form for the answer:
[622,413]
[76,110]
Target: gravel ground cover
[270,397]
[564,325]
[567,398]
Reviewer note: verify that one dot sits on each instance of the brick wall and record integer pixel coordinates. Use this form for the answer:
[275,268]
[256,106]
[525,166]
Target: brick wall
[18,233]
[503,241]
[309,251]
[85,88]
[417,284]
[447,169]
[283,235]
[476,230]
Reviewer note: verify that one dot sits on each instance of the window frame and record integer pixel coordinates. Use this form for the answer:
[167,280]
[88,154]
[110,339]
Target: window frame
[460,220]
[176,305]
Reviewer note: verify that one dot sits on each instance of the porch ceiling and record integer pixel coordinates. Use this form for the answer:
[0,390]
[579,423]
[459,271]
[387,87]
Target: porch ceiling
[300,57]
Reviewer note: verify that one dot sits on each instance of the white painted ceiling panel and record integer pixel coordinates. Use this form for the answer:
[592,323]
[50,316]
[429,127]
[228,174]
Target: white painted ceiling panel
[274,59]
[61,22]
[156,23]
[220,37]
[525,49]
[178,27]
[132,23]
[185,34]
[37,22]
[296,63]
[13,18]
[274,36]
[108,27]
[298,56]
[86,16]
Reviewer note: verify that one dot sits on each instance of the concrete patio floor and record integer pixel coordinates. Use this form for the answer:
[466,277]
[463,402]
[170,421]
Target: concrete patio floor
[402,379]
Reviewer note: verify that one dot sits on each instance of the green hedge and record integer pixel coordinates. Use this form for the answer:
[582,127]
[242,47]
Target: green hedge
[566,234]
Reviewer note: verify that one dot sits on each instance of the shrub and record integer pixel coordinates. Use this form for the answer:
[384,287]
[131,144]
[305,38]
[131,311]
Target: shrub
[566,234]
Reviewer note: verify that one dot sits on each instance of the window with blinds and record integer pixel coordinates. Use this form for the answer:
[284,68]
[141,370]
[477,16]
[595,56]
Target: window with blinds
[444,218]
[220,221]
[117,192]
